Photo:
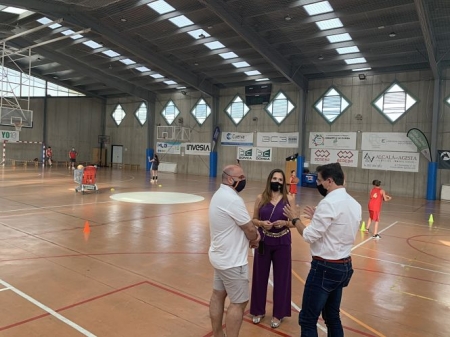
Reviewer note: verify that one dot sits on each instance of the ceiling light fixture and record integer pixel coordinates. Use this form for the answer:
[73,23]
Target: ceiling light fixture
[392,34]
[320,57]
[183,92]
[195,63]
[362,77]
[201,36]
[287,18]
[123,20]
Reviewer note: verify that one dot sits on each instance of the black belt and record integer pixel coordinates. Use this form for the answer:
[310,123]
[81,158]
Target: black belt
[345,260]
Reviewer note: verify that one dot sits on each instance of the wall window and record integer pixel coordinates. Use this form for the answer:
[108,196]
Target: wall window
[331,105]
[141,113]
[237,109]
[280,107]
[394,102]
[118,114]
[201,111]
[170,112]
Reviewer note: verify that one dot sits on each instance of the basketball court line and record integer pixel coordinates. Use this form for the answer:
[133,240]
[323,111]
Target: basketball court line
[48,310]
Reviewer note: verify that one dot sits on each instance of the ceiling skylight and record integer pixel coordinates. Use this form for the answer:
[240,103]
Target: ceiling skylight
[339,38]
[181,21]
[156,75]
[69,32]
[110,53]
[347,50]
[214,45]
[127,62]
[361,69]
[262,79]
[181,87]
[241,64]
[45,20]
[198,34]
[170,82]
[161,7]
[92,44]
[229,55]
[318,8]
[142,69]
[356,60]
[252,73]
[329,24]
[14,10]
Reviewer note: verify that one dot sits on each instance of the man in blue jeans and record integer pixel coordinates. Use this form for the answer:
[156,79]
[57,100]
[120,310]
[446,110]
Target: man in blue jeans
[331,233]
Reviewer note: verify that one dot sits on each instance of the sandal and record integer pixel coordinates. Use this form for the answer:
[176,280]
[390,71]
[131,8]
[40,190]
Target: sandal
[257,319]
[275,324]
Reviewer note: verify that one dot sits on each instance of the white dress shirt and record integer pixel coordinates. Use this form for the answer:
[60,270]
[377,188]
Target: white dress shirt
[333,228]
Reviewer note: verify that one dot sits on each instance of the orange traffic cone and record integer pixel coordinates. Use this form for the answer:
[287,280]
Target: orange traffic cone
[86,229]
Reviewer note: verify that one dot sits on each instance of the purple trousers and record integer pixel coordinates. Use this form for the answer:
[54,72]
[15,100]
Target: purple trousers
[280,257]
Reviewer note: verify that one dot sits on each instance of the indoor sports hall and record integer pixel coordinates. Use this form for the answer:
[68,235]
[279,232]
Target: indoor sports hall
[117,119]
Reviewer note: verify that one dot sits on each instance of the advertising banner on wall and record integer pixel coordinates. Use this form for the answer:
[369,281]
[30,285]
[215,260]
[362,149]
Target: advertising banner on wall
[276,139]
[168,147]
[390,161]
[254,153]
[332,140]
[444,159]
[201,149]
[236,139]
[387,141]
[421,142]
[10,136]
[344,157]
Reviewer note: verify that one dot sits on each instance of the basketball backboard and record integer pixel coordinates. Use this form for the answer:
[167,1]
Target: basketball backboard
[10,116]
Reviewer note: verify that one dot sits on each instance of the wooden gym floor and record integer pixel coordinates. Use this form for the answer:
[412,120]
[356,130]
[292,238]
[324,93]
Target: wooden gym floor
[143,269]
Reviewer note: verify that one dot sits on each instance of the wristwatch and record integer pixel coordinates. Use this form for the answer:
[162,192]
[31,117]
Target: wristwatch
[295,220]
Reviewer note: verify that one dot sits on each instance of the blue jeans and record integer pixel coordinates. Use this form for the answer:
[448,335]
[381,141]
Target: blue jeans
[322,294]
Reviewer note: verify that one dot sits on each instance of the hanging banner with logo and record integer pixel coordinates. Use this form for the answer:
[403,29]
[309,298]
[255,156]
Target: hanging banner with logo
[387,141]
[10,136]
[390,161]
[444,159]
[237,139]
[276,139]
[332,140]
[201,149]
[168,147]
[215,137]
[421,141]
[344,157]
[254,153]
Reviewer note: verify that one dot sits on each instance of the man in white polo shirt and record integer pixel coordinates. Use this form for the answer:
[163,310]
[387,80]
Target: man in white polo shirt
[331,233]
[232,233]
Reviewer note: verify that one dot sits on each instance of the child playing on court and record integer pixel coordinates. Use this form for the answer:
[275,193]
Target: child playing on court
[293,181]
[377,196]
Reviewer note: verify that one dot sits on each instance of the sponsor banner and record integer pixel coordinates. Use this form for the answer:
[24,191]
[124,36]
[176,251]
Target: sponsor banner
[168,147]
[344,157]
[444,159]
[421,141]
[10,136]
[390,161]
[387,141]
[332,140]
[215,137]
[237,139]
[254,153]
[202,149]
[275,139]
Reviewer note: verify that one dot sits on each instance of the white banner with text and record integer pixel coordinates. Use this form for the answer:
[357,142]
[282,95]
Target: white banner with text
[201,149]
[344,157]
[332,140]
[10,136]
[236,139]
[276,139]
[391,161]
[168,147]
[387,141]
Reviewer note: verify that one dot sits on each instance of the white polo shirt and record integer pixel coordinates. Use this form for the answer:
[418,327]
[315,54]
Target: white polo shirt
[229,245]
[333,228]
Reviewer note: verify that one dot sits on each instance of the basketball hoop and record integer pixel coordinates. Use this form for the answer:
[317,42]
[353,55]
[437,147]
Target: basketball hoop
[18,126]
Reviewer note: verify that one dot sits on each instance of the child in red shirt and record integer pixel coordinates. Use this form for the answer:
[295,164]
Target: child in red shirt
[377,196]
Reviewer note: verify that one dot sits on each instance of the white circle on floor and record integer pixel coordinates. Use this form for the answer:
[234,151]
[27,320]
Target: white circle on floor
[162,198]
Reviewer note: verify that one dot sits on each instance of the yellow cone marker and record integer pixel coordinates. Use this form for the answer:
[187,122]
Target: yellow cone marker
[363,227]
[430,219]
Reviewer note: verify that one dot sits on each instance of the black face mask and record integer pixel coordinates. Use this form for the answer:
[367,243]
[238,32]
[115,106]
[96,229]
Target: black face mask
[275,186]
[239,185]
[323,192]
